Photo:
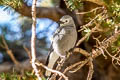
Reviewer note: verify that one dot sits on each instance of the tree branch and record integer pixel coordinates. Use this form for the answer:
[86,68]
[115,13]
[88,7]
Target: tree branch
[42,12]
[33,51]
[9,52]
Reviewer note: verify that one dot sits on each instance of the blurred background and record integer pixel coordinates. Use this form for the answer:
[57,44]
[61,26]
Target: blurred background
[16,30]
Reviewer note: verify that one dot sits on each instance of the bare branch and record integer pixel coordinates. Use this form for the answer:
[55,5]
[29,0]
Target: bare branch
[93,20]
[28,52]
[42,12]
[88,34]
[53,71]
[81,51]
[33,51]
[106,44]
[82,63]
[91,10]
[59,66]
[9,52]
[91,71]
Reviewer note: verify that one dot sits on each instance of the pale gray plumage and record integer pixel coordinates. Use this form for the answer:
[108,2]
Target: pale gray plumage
[63,40]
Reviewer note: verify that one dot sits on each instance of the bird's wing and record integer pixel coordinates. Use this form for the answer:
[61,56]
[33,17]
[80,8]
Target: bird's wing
[52,56]
[52,60]
[51,47]
[51,50]
[57,31]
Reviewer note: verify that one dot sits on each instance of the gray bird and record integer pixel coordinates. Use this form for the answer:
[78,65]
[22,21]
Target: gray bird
[63,40]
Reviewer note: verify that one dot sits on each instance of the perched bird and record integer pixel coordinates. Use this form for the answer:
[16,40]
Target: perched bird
[63,40]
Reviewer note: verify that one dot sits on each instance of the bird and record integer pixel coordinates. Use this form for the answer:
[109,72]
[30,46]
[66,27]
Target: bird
[63,39]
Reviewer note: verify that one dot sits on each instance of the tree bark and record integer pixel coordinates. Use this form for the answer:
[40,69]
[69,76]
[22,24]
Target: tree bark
[42,12]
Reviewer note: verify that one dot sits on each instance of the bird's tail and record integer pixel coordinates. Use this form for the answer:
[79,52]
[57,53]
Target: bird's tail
[51,62]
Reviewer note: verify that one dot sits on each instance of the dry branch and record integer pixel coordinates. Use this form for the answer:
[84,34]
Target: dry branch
[27,51]
[53,71]
[42,12]
[95,53]
[81,51]
[90,10]
[105,44]
[102,15]
[91,71]
[33,51]
[59,66]
[9,52]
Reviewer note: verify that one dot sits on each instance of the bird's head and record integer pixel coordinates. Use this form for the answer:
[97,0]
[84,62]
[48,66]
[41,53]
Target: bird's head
[66,21]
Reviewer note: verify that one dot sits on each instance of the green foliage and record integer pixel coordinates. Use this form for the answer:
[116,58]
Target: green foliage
[113,13]
[28,75]
[117,43]
[73,4]
[8,76]
[115,46]
[108,2]
[86,31]
[15,76]
[114,9]
[112,21]
[107,23]
[12,3]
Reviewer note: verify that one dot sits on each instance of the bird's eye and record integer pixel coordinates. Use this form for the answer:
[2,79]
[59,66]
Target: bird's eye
[66,20]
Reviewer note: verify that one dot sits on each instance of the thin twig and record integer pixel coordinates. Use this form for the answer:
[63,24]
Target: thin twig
[28,52]
[115,58]
[9,52]
[91,22]
[79,66]
[81,51]
[81,63]
[53,71]
[59,66]
[88,34]
[91,71]
[91,10]
[33,51]
[102,51]
[106,44]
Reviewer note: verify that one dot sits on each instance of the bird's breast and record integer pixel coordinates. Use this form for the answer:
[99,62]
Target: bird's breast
[65,40]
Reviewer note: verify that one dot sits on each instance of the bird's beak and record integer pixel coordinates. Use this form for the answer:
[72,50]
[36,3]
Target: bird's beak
[60,22]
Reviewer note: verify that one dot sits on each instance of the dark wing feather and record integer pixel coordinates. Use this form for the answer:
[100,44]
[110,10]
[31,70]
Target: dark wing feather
[51,50]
